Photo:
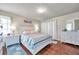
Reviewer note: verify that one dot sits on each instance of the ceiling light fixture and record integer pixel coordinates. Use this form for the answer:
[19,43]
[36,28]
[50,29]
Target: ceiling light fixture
[41,10]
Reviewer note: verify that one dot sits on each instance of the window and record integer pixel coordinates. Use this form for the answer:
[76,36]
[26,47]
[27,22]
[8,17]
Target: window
[69,26]
[5,23]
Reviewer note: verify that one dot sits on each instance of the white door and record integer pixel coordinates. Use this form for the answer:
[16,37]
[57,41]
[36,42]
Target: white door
[43,27]
[49,28]
[52,29]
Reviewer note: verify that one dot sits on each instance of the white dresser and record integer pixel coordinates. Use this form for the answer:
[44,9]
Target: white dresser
[71,37]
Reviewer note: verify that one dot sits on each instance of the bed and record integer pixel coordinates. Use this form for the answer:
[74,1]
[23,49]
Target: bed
[36,41]
[11,40]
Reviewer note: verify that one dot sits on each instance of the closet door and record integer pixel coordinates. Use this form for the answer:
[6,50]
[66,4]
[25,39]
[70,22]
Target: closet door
[49,28]
[46,27]
[52,28]
[42,25]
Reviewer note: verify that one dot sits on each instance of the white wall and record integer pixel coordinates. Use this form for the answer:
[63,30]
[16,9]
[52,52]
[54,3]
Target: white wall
[18,21]
[62,20]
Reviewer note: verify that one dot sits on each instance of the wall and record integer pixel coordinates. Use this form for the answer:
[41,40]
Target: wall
[61,22]
[17,20]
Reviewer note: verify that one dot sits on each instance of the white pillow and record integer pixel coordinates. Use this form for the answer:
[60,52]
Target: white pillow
[26,32]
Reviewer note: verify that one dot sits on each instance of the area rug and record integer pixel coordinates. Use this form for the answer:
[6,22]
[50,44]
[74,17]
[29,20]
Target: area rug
[15,50]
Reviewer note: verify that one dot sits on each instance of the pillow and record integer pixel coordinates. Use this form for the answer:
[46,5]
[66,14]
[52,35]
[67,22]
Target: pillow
[26,32]
[32,32]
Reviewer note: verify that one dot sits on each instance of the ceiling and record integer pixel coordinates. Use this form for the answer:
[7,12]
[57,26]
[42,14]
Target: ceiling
[29,9]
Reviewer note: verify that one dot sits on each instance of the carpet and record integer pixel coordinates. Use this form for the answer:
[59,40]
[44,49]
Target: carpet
[15,50]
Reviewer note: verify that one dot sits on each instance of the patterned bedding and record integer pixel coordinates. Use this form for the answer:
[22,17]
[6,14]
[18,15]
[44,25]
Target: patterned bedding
[33,39]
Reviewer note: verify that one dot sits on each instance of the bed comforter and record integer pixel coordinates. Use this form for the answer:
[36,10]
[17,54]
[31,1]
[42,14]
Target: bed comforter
[33,39]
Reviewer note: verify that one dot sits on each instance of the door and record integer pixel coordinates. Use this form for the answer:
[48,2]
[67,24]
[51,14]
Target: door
[52,29]
[49,28]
